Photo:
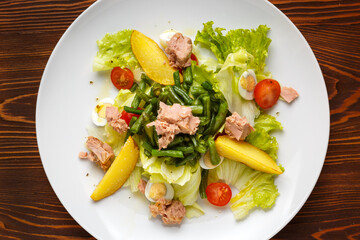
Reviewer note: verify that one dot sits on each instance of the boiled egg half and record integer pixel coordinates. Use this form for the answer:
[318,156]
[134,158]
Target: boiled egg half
[205,161]
[166,36]
[155,191]
[247,84]
[99,112]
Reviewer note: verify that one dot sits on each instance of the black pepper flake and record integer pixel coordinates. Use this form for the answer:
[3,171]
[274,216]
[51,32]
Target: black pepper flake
[91,82]
[87,174]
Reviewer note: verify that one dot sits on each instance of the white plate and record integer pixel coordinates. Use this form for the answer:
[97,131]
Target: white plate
[66,99]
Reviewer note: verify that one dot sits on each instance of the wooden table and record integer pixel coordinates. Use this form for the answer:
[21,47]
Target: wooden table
[29,30]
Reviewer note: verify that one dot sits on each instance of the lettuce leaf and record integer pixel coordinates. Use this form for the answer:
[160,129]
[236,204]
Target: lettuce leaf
[158,170]
[124,98]
[115,50]
[189,192]
[214,40]
[134,179]
[228,79]
[261,138]
[254,41]
[194,210]
[256,189]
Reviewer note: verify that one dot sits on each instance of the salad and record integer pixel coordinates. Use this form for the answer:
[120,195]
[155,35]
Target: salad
[189,121]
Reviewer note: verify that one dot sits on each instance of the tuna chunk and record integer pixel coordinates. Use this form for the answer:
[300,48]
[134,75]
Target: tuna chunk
[288,94]
[114,120]
[172,120]
[100,153]
[179,51]
[237,127]
[171,211]
[142,186]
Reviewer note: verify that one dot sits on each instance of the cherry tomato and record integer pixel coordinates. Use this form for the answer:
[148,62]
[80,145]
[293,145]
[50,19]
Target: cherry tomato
[266,93]
[122,78]
[218,194]
[194,58]
[127,116]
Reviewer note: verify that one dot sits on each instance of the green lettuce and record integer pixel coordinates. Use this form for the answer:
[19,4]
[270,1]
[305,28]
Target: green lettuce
[194,210]
[124,98]
[189,192]
[261,137]
[256,189]
[115,50]
[254,41]
[158,170]
[134,179]
[228,79]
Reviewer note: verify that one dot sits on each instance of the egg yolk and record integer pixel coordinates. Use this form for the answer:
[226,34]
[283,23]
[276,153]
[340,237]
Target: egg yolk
[101,109]
[157,191]
[248,83]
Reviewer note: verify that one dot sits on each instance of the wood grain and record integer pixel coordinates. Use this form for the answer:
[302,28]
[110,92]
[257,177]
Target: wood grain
[29,30]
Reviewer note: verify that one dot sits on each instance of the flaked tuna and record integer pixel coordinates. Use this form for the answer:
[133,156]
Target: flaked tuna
[237,127]
[288,94]
[172,120]
[100,153]
[171,211]
[179,51]
[114,120]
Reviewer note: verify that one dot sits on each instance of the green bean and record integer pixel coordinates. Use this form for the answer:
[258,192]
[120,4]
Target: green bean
[139,122]
[163,96]
[156,138]
[214,156]
[145,78]
[169,102]
[187,99]
[147,146]
[220,117]
[169,160]
[156,90]
[143,95]
[131,123]
[176,76]
[211,124]
[177,140]
[149,131]
[133,87]
[185,149]
[133,110]
[167,153]
[196,109]
[193,161]
[188,158]
[207,113]
[203,183]
[173,97]
[207,85]
[147,153]
[187,75]
[136,101]
[214,107]
[196,91]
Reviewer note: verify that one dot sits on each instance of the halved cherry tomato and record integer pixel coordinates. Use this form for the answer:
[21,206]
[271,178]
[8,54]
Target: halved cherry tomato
[266,93]
[127,116]
[122,78]
[194,58]
[218,194]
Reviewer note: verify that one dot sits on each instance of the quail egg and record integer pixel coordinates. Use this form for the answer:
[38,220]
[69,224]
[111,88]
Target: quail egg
[205,161]
[99,112]
[155,191]
[247,84]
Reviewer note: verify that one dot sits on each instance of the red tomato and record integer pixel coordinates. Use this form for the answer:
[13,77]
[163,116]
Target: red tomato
[122,78]
[194,58]
[218,194]
[266,93]
[127,116]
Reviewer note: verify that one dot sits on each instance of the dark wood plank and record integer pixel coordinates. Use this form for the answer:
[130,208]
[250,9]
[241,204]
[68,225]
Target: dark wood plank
[29,30]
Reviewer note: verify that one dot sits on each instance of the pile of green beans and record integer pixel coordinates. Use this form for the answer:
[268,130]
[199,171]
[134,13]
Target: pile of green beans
[210,106]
